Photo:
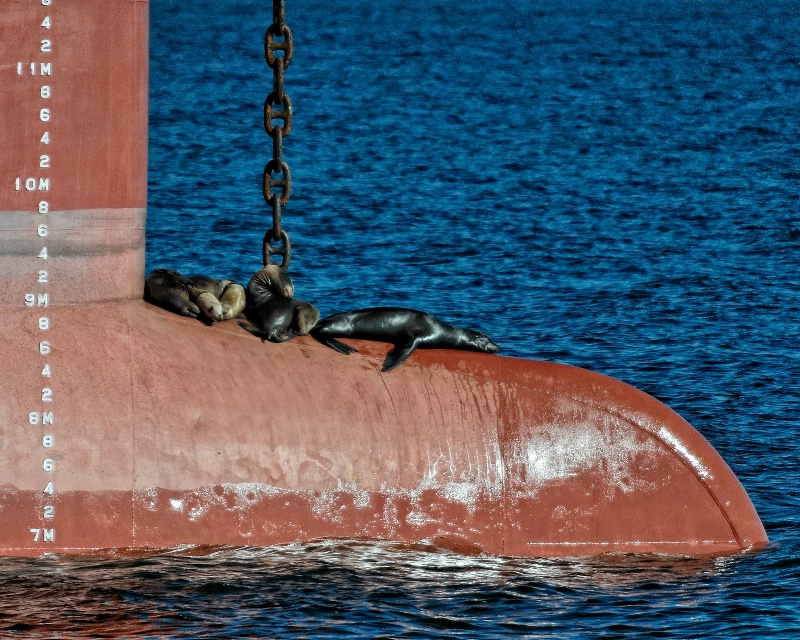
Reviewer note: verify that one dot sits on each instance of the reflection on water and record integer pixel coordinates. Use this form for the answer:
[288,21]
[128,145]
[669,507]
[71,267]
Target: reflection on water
[355,589]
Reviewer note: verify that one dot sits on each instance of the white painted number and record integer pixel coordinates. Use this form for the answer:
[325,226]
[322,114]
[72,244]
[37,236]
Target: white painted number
[32,299]
[31,184]
[46,535]
[47,417]
[43,184]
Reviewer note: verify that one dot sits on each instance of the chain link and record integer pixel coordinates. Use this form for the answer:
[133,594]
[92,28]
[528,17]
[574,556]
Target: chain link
[282,181]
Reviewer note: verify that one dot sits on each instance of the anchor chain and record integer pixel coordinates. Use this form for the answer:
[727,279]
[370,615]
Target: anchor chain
[277,178]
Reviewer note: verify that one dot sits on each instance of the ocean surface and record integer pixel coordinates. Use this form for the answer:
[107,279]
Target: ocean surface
[614,185]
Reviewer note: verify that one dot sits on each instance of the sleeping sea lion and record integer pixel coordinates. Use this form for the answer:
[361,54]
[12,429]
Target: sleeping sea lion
[306,316]
[233,299]
[168,289]
[406,329]
[206,292]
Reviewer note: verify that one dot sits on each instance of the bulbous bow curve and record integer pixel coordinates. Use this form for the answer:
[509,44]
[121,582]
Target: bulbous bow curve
[181,433]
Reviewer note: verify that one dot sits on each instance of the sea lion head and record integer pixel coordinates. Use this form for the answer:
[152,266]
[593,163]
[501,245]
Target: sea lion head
[210,306]
[168,289]
[233,300]
[478,341]
[271,280]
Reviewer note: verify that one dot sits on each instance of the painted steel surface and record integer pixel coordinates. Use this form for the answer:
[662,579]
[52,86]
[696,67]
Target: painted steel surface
[126,426]
[81,81]
[185,434]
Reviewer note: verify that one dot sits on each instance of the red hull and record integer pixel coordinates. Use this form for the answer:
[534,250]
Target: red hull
[170,432]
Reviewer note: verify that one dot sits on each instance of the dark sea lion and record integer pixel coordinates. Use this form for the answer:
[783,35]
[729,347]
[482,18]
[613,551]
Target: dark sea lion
[278,321]
[271,280]
[406,329]
[271,319]
[206,284]
[168,289]
[269,305]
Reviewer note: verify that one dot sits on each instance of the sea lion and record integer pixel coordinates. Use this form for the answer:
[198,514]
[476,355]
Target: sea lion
[306,316]
[168,289]
[280,320]
[271,280]
[233,299]
[210,306]
[269,305]
[271,320]
[206,292]
[406,329]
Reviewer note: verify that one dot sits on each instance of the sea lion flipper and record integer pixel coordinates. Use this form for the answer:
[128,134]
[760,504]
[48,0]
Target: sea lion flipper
[283,337]
[334,344]
[398,355]
[190,310]
[341,347]
[251,329]
[182,306]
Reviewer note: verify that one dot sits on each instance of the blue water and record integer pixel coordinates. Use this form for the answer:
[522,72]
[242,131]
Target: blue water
[612,185]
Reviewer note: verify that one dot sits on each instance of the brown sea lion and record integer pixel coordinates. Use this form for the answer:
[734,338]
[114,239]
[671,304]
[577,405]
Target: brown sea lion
[306,316]
[168,289]
[206,292]
[233,300]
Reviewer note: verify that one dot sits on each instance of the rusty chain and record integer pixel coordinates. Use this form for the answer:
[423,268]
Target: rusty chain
[282,178]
